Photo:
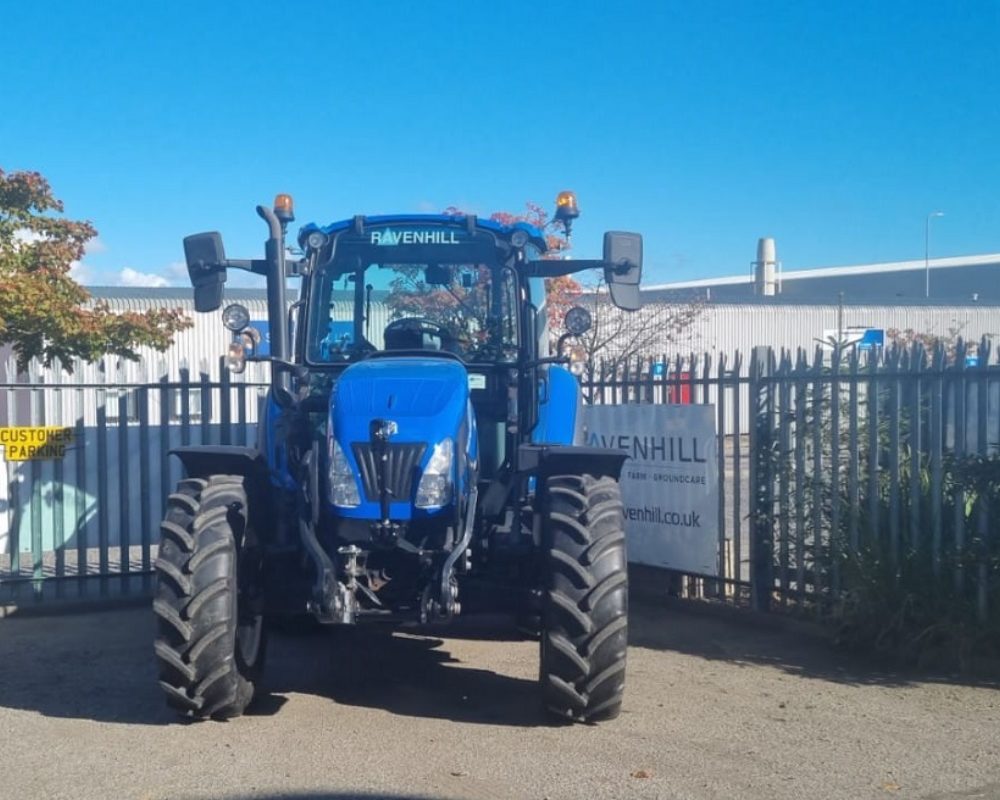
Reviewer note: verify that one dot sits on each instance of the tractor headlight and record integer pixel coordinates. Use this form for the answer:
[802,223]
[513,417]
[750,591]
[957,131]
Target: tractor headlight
[435,487]
[343,484]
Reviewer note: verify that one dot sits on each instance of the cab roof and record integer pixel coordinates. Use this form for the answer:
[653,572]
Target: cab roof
[535,236]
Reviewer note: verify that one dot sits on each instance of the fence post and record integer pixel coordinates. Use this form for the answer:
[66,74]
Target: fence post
[983,512]
[720,410]
[761,480]
[225,404]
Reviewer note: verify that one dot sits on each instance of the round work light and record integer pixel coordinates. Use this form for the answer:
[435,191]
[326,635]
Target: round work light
[577,320]
[235,317]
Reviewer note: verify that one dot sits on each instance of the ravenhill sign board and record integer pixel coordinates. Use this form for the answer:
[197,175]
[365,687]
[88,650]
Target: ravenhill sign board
[35,444]
[670,482]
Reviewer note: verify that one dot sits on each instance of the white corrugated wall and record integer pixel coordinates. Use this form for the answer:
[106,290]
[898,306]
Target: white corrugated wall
[199,348]
[723,329]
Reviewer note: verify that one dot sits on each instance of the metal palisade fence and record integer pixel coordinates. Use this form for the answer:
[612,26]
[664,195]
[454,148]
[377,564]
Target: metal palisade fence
[723,382]
[86,469]
[841,468]
[877,472]
[837,469]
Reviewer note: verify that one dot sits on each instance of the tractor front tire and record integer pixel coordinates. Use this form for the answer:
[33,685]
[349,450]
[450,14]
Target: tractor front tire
[210,639]
[584,635]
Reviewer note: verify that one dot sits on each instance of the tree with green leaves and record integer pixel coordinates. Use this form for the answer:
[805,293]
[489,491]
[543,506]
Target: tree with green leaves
[45,313]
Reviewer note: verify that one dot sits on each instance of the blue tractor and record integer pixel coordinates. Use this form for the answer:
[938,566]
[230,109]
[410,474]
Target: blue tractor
[420,455]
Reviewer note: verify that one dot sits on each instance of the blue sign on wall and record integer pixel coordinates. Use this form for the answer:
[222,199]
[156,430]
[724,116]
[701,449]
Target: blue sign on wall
[264,348]
[872,338]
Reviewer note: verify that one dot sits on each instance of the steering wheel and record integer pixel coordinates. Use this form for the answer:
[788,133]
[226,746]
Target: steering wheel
[408,333]
[416,325]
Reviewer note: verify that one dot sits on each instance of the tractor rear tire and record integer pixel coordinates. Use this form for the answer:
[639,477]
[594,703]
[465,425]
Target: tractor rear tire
[585,605]
[210,639]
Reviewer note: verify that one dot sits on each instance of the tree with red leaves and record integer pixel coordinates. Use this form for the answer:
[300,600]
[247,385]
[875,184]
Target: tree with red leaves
[562,292]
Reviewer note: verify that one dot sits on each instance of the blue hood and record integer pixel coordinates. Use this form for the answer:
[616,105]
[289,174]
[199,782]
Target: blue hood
[406,388]
[427,398]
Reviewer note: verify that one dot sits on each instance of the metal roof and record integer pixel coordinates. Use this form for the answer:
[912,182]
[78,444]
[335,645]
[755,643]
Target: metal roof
[956,280]
[184,293]
[952,262]
[536,236]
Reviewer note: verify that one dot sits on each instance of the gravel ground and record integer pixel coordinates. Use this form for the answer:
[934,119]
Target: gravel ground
[716,708]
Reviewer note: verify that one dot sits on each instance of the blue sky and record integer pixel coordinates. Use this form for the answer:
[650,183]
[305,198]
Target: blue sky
[834,127]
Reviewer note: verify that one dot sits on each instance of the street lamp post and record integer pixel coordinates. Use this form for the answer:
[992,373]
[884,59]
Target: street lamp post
[927,251]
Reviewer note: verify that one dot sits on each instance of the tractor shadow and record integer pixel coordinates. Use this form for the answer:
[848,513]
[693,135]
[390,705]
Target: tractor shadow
[410,673]
[93,666]
[99,666]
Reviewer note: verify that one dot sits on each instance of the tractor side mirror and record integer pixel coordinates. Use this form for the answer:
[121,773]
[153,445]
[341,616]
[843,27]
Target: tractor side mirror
[623,268]
[205,259]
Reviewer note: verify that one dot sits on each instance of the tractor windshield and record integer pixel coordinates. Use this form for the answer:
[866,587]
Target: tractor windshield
[359,304]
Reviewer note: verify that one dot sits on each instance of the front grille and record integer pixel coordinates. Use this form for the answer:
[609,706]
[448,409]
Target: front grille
[403,465]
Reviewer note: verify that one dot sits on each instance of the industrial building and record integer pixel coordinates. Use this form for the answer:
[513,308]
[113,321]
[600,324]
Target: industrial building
[947,297]
[126,413]
[958,280]
[857,305]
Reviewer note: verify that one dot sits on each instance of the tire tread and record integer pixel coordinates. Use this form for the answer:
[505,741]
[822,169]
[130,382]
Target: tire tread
[585,603]
[195,606]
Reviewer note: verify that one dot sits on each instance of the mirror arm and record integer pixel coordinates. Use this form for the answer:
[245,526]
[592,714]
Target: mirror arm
[621,268]
[258,266]
[554,268]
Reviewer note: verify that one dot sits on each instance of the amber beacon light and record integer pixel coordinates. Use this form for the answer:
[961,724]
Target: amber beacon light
[567,210]
[284,207]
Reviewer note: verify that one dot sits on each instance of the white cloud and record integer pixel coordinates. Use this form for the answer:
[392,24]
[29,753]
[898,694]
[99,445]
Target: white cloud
[81,273]
[131,277]
[95,245]
[24,236]
[176,272]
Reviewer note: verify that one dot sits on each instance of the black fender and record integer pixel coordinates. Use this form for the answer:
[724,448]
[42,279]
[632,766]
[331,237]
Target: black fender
[200,461]
[544,460]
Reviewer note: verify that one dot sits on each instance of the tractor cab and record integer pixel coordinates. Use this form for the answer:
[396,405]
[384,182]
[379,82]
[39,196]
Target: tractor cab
[423,296]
